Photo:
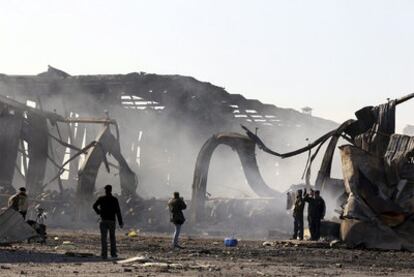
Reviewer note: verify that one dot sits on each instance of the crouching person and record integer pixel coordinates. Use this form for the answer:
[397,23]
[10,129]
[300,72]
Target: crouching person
[176,206]
[107,207]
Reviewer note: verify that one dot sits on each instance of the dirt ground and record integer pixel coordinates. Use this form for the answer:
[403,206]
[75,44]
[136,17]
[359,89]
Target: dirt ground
[77,254]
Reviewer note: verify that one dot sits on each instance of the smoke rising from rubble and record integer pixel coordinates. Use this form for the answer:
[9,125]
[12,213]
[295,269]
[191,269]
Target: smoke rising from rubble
[163,122]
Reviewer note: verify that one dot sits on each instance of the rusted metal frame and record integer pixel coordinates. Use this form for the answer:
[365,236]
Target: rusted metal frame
[348,139]
[60,170]
[50,159]
[17,105]
[245,149]
[54,162]
[263,147]
[404,98]
[113,165]
[65,143]
[305,170]
[321,139]
[83,151]
[88,120]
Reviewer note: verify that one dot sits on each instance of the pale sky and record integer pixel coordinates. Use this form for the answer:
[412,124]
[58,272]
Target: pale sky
[334,56]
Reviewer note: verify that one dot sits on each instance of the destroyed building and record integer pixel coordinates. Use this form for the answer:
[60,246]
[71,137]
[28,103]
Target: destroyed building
[163,121]
[375,196]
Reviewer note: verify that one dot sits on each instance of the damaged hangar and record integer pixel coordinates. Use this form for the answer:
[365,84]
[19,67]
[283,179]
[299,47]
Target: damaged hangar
[163,121]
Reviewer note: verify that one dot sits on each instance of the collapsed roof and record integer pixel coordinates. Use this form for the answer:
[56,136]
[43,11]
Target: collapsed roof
[378,177]
[163,120]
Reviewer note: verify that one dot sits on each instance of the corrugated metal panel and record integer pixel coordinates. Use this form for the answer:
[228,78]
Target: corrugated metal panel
[13,228]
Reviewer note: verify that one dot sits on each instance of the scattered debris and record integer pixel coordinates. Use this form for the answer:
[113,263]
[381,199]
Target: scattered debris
[13,228]
[335,243]
[67,242]
[268,243]
[156,264]
[132,234]
[139,259]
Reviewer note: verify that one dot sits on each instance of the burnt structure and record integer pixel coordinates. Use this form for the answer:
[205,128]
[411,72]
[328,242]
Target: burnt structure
[163,121]
[246,150]
[378,176]
[35,128]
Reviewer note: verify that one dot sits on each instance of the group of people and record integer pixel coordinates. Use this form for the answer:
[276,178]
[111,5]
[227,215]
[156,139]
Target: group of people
[107,206]
[316,212]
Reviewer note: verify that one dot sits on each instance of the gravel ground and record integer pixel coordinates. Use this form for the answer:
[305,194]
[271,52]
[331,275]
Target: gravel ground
[201,257]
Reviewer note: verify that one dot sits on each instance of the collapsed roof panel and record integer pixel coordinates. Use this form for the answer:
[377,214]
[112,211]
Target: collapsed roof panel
[13,228]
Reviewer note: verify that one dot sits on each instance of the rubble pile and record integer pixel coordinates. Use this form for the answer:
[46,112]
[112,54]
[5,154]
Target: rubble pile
[378,211]
[376,195]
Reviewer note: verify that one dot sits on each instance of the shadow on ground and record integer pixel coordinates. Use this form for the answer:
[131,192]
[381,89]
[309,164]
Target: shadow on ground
[11,257]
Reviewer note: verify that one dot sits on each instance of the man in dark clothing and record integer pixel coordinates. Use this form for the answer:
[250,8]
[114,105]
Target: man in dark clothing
[319,214]
[316,212]
[107,207]
[298,216]
[309,198]
[19,203]
[176,206]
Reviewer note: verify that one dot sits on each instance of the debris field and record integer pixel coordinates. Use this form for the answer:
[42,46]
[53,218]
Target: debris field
[77,254]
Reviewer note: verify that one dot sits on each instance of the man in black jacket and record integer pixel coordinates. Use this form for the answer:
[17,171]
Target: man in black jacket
[107,207]
[176,206]
[316,212]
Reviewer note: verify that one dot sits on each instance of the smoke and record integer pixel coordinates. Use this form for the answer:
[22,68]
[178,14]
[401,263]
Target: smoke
[161,140]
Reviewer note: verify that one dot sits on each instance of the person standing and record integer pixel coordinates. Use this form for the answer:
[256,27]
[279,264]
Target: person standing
[19,202]
[309,198]
[176,206]
[107,207]
[298,216]
[318,214]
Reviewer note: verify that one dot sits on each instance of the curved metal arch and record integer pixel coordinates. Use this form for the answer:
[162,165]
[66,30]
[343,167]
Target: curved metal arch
[245,148]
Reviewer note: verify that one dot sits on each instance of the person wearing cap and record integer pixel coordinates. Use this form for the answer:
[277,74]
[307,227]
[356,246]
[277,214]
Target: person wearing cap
[298,215]
[176,206]
[19,203]
[107,207]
